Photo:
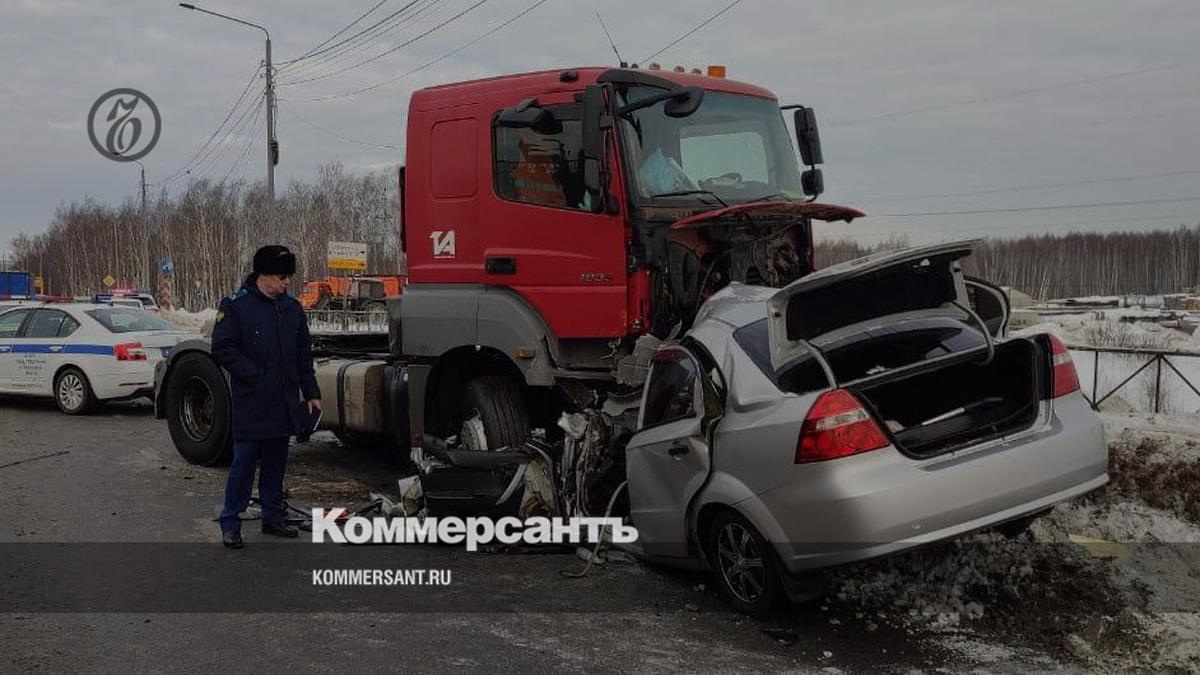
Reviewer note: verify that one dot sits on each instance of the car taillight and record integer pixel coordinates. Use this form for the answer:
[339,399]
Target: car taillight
[1063,376]
[837,426]
[130,351]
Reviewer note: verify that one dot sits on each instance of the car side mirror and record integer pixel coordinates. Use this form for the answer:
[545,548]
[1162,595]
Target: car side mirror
[807,137]
[527,115]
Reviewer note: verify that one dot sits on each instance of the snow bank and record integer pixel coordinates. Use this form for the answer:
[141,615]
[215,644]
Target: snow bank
[193,321]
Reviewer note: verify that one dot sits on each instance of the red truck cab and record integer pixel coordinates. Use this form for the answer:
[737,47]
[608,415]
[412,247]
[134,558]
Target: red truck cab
[551,218]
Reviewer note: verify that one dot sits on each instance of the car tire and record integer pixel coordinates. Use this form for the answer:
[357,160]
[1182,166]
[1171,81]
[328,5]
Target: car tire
[500,405]
[753,587]
[73,393]
[198,411]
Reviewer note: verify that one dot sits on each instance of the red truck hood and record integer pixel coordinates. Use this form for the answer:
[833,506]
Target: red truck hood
[824,212]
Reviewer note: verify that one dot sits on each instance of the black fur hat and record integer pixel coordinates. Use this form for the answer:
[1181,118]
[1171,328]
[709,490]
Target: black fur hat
[274,259]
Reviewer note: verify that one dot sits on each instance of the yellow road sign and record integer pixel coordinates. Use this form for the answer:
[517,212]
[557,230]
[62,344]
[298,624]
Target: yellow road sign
[109,281]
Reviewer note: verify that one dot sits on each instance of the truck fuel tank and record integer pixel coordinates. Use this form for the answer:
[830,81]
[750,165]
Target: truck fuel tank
[365,396]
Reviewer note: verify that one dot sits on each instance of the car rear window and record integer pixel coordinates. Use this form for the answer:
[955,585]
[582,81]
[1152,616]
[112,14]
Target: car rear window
[862,354]
[128,320]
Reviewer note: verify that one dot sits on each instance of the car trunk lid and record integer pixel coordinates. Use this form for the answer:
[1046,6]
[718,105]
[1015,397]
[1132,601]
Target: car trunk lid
[863,294]
[158,343]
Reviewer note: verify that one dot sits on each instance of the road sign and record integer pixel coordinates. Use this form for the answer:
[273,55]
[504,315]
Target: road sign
[166,266]
[109,281]
[347,255]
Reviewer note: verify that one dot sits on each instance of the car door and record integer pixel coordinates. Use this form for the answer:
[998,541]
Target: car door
[10,328]
[667,460]
[40,350]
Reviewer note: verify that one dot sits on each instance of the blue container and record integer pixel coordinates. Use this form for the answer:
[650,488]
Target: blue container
[16,283]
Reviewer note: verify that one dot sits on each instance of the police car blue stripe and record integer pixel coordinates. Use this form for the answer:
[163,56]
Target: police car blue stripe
[102,350]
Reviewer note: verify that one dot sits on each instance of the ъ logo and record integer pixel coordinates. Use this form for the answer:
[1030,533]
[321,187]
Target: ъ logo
[443,243]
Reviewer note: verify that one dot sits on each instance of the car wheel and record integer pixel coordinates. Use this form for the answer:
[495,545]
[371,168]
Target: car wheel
[198,415]
[494,412]
[73,393]
[745,565]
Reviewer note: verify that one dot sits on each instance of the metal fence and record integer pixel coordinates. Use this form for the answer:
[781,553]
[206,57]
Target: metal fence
[1156,358]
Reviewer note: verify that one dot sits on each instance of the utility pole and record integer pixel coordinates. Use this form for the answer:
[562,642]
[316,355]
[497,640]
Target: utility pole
[272,142]
[143,168]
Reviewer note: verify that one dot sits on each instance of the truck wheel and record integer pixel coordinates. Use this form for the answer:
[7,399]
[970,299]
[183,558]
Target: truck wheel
[73,393]
[745,564]
[500,407]
[198,414]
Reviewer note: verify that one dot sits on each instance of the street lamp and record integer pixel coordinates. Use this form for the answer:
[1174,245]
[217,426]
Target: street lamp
[272,143]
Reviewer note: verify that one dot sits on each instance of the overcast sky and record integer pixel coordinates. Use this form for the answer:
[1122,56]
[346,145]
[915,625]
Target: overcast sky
[914,98]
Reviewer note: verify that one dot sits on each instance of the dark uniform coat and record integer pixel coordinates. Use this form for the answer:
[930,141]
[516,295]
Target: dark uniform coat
[265,346]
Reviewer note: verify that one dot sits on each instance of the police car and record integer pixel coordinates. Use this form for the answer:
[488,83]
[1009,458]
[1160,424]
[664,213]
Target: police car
[82,354]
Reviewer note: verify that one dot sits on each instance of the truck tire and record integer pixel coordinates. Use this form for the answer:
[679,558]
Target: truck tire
[500,406]
[198,415]
[745,564]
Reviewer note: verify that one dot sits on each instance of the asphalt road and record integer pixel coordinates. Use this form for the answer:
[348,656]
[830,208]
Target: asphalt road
[114,561]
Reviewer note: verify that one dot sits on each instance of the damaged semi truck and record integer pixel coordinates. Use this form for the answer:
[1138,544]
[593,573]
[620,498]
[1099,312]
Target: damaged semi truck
[611,306]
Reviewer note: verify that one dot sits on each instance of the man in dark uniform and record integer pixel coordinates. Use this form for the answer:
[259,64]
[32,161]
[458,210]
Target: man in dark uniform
[261,338]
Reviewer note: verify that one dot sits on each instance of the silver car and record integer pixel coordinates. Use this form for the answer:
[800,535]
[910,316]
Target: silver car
[865,409]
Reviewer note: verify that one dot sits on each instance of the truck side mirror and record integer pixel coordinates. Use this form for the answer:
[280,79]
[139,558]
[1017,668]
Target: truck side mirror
[807,138]
[812,182]
[684,103]
[593,142]
[527,115]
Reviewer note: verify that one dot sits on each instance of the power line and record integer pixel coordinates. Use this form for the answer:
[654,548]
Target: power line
[1019,226]
[324,66]
[331,38]
[312,54]
[241,97]
[398,47]
[427,64]
[343,54]
[1019,92]
[1142,116]
[688,34]
[1055,207]
[1019,188]
[206,165]
[249,146]
[335,134]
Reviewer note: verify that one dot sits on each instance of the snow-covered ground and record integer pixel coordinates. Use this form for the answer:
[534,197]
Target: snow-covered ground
[1138,395]
[1108,582]
[200,322]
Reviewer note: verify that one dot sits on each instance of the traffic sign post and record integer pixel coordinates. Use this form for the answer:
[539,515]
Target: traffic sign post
[347,255]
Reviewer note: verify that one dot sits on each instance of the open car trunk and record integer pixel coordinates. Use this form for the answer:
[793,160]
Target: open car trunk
[959,403]
[897,329]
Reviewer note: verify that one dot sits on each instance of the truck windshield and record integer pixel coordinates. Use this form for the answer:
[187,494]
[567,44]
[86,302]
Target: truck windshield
[734,148]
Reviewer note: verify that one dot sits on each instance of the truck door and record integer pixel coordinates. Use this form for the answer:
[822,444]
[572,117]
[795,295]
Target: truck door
[668,459]
[10,327]
[545,238]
